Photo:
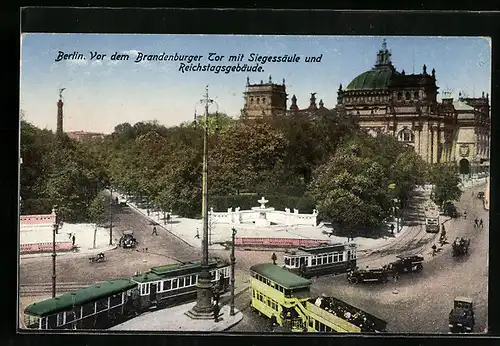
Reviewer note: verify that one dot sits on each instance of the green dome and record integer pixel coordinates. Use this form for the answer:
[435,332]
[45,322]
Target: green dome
[374,79]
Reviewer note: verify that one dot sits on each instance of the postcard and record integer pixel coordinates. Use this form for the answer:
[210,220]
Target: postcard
[230,183]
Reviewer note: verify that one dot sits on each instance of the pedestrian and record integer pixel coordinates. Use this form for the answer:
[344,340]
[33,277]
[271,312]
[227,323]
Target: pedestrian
[274,258]
[434,250]
[197,236]
[216,312]
[476,222]
[154,231]
[465,214]
[116,200]
[392,228]
[481,223]
[73,239]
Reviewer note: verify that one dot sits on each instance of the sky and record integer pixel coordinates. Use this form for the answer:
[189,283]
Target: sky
[102,93]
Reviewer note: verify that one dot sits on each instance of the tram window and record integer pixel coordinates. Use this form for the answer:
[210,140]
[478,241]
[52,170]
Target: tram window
[188,280]
[287,261]
[115,300]
[44,323]
[320,260]
[292,262]
[88,309]
[78,312]
[60,319]
[52,322]
[341,257]
[288,293]
[193,279]
[167,285]
[181,282]
[174,283]
[253,293]
[313,262]
[330,258]
[212,275]
[70,316]
[102,304]
[348,255]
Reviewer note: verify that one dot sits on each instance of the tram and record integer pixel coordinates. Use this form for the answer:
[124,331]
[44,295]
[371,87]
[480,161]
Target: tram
[112,302]
[310,261]
[285,298]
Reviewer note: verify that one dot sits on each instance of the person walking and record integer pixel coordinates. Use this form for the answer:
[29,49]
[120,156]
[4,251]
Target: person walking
[197,236]
[476,221]
[154,231]
[434,250]
[481,223]
[274,258]
[73,240]
[216,312]
[465,214]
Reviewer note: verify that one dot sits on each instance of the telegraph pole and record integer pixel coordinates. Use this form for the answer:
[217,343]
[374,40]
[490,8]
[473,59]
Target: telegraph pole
[111,215]
[203,308]
[54,230]
[233,261]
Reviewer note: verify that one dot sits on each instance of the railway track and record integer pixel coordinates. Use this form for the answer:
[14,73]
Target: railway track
[40,289]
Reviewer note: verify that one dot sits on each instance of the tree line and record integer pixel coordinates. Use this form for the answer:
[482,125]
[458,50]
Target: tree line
[327,163]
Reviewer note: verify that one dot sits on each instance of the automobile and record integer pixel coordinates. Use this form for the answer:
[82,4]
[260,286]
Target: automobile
[480,195]
[122,201]
[127,240]
[460,247]
[407,264]
[461,318]
[378,274]
[450,210]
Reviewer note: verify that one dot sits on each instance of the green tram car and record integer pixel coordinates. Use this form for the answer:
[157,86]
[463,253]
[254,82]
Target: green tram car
[323,259]
[285,298]
[112,302]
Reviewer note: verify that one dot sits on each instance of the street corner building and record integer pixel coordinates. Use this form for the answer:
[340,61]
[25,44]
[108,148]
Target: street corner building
[385,100]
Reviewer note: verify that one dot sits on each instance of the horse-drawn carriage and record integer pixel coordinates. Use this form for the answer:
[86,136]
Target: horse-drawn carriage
[97,258]
[460,246]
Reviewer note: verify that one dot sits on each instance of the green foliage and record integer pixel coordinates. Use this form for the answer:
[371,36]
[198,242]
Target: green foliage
[446,183]
[97,210]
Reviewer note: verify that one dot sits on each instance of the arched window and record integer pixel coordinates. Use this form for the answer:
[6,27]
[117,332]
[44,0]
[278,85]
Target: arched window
[400,96]
[415,95]
[258,100]
[251,100]
[263,100]
[405,135]
[407,96]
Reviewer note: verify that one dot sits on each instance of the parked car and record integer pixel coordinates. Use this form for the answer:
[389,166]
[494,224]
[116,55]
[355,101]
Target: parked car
[461,318]
[480,195]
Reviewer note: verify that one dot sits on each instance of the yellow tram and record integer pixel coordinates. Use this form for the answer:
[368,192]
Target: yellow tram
[286,298]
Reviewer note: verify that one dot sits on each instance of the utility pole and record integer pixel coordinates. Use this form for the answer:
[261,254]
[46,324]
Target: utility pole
[54,230]
[203,308]
[233,261]
[110,215]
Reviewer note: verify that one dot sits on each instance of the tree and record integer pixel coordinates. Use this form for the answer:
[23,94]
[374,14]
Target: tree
[97,212]
[446,182]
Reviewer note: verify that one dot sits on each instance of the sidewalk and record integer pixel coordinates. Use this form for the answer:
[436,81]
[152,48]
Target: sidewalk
[175,319]
[84,239]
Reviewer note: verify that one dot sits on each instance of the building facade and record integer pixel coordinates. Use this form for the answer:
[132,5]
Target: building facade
[82,136]
[385,100]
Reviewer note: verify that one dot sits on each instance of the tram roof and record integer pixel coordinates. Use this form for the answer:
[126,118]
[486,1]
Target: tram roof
[186,267]
[317,249]
[80,297]
[281,276]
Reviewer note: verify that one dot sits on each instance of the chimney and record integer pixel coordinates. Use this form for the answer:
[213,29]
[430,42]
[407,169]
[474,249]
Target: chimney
[59,117]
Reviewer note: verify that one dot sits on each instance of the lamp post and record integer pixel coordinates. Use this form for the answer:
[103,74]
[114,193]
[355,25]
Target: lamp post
[233,261]
[54,230]
[203,307]
[110,215]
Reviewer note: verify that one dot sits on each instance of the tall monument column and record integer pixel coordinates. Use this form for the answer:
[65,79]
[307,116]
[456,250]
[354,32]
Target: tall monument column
[59,117]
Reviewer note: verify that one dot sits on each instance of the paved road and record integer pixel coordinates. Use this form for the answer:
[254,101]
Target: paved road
[423,301]
[421,305]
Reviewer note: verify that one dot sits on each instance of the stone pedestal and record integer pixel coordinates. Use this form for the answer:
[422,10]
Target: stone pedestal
[203,310]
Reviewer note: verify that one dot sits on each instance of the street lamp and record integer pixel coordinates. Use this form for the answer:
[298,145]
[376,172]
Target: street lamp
[233,262]
[110,215]
[203,307]
[55,226]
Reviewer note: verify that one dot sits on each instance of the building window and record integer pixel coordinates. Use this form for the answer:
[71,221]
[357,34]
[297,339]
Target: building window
[258,100]
[251,100]
[400,96]
[263,100]
[407,96]
[406,135]
[415,95]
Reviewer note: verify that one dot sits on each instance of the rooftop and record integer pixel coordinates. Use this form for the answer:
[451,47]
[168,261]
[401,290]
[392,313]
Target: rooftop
[281,276]
[80,297]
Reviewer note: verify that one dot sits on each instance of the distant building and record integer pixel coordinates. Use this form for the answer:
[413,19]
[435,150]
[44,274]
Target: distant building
[384,100]
[82,136]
